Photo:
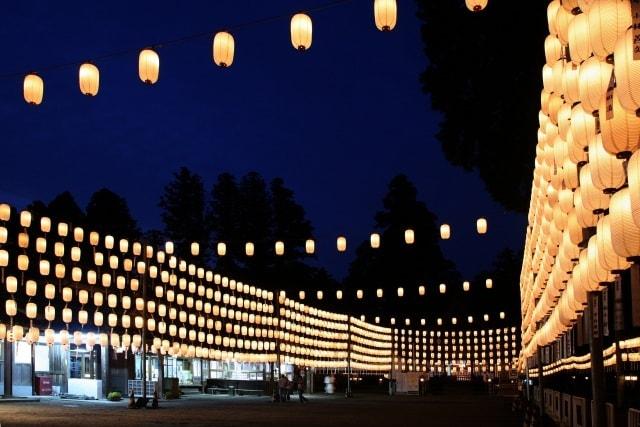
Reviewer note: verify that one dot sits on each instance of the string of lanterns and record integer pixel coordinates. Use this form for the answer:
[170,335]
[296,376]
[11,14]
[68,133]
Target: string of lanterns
[223,49]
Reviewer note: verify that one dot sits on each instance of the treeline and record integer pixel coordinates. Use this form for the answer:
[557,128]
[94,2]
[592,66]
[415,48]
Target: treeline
[236,210]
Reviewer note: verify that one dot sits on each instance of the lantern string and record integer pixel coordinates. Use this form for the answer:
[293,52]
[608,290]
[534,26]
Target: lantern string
[179,40]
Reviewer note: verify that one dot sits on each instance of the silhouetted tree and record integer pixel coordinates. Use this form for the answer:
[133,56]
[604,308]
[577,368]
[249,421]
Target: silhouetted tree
[397,264]
[183,213]
[108,213]
[222,218]
[63,208]
[484,75]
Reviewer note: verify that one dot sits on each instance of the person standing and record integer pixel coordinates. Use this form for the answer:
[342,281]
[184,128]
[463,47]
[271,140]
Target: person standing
[301,389]
[282,388]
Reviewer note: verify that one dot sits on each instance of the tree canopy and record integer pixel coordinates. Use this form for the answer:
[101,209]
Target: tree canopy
[484,75]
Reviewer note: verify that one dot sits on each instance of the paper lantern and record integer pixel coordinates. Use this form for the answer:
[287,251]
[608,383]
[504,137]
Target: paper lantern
[33,89]
[502,315]
[386,14]
[594,79]
[359,294]
[607,171]
[608,21]
[341,244]
[476,5]
[552,11]
[445,231]
[633,170]
[466,286]
[5,212]
[223,49]
[409,236]
[627,72]
[319,295]
[249,248]
[620,128]
[486,317]
[221,249]
[301,31]
[442,288]
[481,225]
[375,240]
[563,19]
[625,234]
[148,66]
[301,295]
[339,294]
[11,307]
[570,84]
[279,248]
[400,292]
[195,248]
[168,248]
[310,246]
[579,42]
[89,79]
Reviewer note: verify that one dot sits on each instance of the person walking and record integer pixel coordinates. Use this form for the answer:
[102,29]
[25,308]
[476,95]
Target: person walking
[301,389]
[282,388]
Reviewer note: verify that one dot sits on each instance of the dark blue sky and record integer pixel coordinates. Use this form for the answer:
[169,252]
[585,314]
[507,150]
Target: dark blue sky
[337,122]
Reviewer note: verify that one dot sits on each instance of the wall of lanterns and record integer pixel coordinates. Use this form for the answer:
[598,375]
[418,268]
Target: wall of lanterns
[76,286]
[584,225]
[461,352]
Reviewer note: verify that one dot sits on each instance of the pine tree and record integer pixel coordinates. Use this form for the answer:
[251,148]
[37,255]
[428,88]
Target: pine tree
[108,213]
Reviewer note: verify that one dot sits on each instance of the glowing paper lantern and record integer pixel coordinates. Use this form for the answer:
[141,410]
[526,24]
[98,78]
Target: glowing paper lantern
[301,295]
[620,129]
[279,248]
[33,89]
[301,31]
[375,240]
[379,293]
[608,21]
[489,283]
[409,236]
[386,14]
[466,286]
[625,234]
[481,225]
[89,79]
[148,66]
[195,249]
[401,292]
[221,249]
[579,43]
[223,49]
[341,244]
[594,79]
[249,248]
[310,246]
[442,288]
[445,231]
[422,290]
[607,171]
[476,5]
[627,71]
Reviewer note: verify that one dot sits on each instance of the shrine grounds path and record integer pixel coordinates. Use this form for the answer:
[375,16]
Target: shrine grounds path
[364,410]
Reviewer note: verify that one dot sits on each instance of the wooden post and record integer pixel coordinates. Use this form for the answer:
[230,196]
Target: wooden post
[8,368]
[597,364]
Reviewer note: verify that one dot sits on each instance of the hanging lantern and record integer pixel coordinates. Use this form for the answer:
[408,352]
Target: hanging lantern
[607,171]
[422,290]
[608,21]
[409,236]
[279,248]
[339,294]
[341,244]
[301,295]
[481,225]
[195,248]
[301,31]
[249,248]
[148,66]
[579,44]
[33,89]
[620,129]
[309,246]
[502,315]
[89,79]
[375,240]
[319,295]
[222,249]
[445,231]
[466,286]
[379,293]
[594,79]
[489,283]
[359,294]
[627,70]
[386,14]
[476,5]
[400,292]
[223,49]
[442,288]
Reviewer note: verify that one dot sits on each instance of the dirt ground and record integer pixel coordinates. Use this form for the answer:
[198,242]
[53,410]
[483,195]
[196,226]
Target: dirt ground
[198,410]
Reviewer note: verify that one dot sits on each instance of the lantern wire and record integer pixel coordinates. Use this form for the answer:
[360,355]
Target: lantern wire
[179,40]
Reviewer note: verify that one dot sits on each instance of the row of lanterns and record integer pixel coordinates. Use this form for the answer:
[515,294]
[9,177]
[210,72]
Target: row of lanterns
[223,51]
[341,241]
[586,166]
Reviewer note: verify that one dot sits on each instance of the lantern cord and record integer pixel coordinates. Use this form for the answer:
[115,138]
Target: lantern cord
[178,40]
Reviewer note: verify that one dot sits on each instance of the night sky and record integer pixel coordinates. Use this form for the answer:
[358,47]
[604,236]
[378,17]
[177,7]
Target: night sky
[337,122]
